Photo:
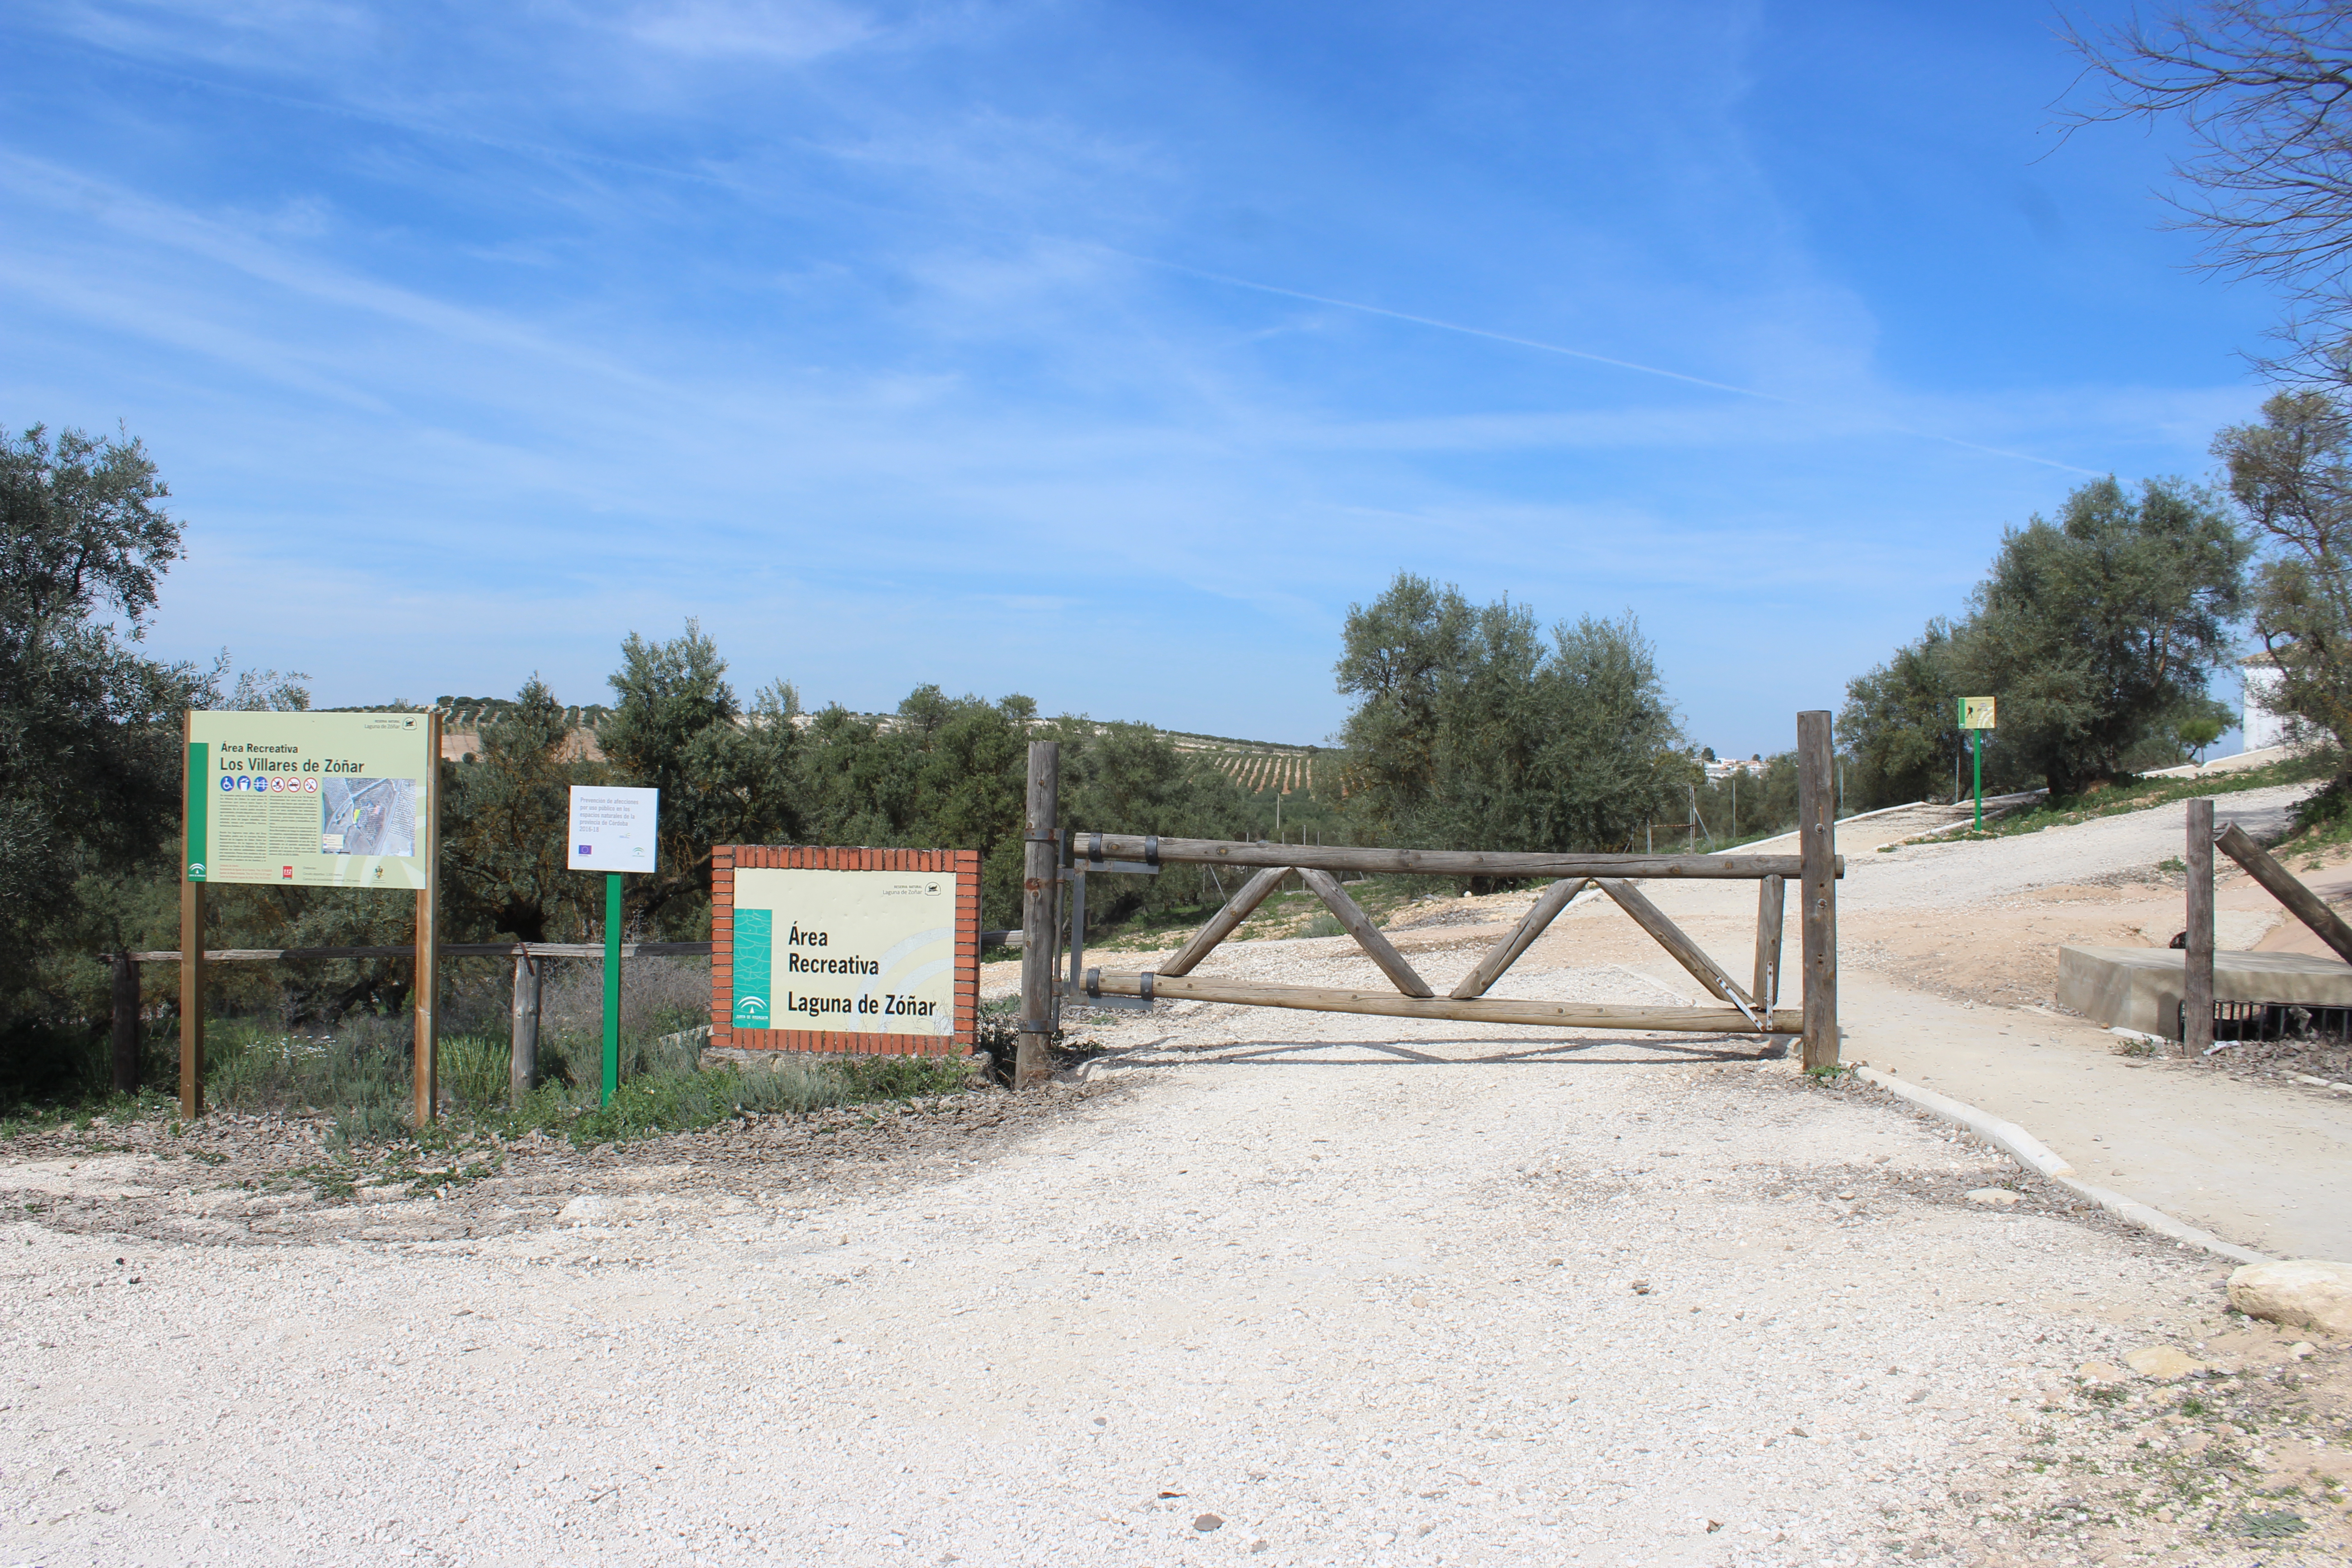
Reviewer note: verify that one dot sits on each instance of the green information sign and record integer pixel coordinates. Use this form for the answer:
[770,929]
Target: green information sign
[336,800]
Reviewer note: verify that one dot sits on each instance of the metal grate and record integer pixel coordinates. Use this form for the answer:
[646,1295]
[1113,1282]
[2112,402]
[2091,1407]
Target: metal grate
[2269,1021]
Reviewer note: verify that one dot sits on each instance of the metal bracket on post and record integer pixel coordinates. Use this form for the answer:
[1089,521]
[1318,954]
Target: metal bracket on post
[1088,986]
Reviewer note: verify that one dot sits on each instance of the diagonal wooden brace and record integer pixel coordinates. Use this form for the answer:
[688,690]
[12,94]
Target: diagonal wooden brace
[1686,953]
[1770,902]
[1224,922]
[2301,902]
[1367,936]
[1505,952]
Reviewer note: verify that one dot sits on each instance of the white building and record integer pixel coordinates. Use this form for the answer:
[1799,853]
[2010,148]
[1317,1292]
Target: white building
[2260,727]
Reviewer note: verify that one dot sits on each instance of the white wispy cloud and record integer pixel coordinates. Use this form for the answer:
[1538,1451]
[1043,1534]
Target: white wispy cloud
[767,30]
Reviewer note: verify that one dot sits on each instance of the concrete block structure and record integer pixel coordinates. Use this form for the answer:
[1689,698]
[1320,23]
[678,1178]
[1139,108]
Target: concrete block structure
[2140,987]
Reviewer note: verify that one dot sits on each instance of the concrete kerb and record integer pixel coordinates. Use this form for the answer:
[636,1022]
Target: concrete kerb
[2043,1161]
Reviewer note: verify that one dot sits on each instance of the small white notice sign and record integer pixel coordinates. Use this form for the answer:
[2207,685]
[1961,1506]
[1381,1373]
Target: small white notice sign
[612,830]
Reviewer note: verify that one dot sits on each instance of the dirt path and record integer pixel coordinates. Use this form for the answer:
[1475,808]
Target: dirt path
[1949,954]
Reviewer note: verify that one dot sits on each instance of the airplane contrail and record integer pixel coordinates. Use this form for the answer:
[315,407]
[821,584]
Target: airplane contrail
[1542,347]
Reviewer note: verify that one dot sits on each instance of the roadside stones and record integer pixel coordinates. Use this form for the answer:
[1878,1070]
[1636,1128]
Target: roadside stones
[1208,1521]
[2302,1292]
[1995,1197]
[2099,1372]
[2164,1362]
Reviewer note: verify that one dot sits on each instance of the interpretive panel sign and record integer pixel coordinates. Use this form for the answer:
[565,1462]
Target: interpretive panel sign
[314,799]
[612,830]
[871,951]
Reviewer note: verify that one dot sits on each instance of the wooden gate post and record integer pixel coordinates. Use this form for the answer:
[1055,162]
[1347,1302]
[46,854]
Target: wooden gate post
[125,997]
[1817,858]
[1040,866]
[2197,964]
[522,1071]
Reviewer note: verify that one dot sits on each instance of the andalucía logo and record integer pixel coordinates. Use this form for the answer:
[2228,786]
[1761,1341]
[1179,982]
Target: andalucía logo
[751,1007]
[195,870]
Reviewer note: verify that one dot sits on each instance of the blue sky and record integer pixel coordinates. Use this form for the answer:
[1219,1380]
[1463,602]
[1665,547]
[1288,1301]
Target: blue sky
[1101,352]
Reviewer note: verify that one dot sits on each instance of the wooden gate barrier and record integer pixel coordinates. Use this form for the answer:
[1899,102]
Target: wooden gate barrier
[1055,861]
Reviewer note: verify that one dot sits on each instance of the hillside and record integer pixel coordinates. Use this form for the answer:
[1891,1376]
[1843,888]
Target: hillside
[1256,765]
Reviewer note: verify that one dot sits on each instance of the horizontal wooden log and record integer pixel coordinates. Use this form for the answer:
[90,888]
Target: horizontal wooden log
[1454,862]
[1473,1010]
[448,950]
[1001,937]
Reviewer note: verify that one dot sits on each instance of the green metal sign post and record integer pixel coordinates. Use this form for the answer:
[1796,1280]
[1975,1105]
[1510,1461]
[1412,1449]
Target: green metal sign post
[1976,717]
[1976,750]
[612,985]
[612,831]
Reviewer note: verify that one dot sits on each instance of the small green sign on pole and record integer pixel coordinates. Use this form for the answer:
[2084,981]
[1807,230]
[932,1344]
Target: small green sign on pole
[612,831]
[1976,718]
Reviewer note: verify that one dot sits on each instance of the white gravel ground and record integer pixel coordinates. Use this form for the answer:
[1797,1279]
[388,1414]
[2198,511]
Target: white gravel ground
[1431,1302]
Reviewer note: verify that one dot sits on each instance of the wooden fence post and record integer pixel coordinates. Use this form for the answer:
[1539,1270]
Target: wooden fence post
[426,990]
[191,999]
[2197,964]
[1040,864]
[125,1000]
[1817,854]
[522,1072]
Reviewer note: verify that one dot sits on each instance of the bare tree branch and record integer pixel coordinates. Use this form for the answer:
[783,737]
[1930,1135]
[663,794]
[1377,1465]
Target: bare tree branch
[2264,90]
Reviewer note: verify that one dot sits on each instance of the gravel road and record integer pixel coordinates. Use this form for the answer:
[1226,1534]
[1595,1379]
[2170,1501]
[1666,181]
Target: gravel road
[1430,1302]
[2103,849]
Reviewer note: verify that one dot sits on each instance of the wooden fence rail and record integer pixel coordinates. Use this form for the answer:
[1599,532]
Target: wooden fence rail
[124,990]
[1435,862]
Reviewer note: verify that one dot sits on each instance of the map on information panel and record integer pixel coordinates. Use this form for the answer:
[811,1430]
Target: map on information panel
[367,816]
